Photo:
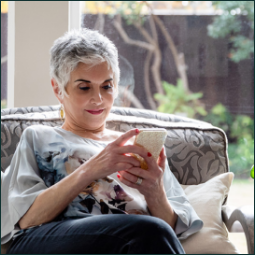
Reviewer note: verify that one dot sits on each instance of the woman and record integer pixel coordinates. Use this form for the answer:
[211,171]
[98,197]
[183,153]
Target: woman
[75,189]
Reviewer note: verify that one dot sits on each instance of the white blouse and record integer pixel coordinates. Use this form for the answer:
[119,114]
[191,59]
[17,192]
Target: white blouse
[45,155]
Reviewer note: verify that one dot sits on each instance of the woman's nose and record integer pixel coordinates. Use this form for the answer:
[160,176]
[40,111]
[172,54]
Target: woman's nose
[96,97]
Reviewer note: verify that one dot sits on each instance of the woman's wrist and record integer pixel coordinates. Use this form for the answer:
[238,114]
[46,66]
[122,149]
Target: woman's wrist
[156,199]
[86,174]
[160,207]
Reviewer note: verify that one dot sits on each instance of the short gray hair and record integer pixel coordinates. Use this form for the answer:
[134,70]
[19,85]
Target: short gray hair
[81,46]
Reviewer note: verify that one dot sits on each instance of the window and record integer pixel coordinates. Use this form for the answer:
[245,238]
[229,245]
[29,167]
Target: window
[204,63]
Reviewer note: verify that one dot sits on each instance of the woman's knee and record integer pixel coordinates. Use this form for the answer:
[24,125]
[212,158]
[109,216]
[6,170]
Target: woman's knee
[154,226]
[154,235]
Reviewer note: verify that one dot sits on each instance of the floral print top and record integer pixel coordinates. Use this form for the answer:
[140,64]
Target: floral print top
[46,155]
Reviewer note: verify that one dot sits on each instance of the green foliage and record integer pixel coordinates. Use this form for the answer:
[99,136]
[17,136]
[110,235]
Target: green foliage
[242,126]
[229,24]
[219,116]
[131,12]
[178,101]
[240,133]
[241,156]
[235,126]
[3,104]
[252,172]
[243,47]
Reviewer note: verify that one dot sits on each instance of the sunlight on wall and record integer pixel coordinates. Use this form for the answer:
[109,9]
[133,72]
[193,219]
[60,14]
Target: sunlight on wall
[159,7]
[4,6]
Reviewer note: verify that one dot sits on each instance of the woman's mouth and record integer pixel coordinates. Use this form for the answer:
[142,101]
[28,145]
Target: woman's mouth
[95,112]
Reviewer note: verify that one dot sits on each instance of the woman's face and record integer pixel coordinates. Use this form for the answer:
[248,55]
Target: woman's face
[91,96]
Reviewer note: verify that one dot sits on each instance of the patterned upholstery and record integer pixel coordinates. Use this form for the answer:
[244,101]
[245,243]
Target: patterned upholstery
[196,150]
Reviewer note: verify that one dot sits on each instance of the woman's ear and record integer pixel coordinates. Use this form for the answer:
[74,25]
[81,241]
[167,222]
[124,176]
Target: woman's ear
[56,89]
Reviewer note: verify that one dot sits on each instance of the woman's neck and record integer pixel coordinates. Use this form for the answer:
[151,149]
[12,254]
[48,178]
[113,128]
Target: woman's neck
[93,133]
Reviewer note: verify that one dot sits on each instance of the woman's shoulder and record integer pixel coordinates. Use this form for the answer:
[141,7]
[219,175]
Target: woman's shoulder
[38,131]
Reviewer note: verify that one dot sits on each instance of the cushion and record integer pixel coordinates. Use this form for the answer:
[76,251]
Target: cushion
[207,199]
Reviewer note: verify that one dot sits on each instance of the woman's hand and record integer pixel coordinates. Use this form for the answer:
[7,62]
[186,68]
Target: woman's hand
[152,186]
[114,157]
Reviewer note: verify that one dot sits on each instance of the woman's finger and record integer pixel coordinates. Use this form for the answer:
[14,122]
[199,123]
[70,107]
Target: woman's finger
[125,137]
[136,171]
[128,183]
[128,176]
[162,159]
[139,151]
[122,166]
[129,159]
[133,149]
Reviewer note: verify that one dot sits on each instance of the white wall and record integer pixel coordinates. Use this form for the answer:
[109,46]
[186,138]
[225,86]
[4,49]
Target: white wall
[37,25]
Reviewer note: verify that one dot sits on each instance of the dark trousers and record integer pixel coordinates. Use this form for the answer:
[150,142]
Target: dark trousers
[115,233]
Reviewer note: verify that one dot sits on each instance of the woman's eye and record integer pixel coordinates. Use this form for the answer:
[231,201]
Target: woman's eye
[107,87]
[84,88]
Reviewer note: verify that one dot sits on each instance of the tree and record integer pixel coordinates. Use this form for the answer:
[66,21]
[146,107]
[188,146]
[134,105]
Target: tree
[132,13]
[230,23]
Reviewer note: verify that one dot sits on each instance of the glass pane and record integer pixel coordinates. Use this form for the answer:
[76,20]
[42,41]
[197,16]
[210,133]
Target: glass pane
[4,26]
[192,58]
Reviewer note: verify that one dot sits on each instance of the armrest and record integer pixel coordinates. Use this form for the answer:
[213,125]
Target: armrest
[245,215]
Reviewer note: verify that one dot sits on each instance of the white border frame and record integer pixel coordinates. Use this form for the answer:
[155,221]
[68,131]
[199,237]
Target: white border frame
[11,54]
[74,15]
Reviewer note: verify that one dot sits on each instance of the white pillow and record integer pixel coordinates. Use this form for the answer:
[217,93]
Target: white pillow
[207,199]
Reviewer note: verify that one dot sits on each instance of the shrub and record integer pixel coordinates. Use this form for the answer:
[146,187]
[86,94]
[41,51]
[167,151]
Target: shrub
[240,133]
[178,101]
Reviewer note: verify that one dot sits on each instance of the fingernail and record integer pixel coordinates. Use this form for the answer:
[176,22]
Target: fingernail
[149,154]
[118,175]
[137,130]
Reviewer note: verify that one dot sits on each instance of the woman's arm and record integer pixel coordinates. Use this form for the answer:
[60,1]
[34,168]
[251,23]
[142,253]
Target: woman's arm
[157,201]
[52,201]
[161,208]
[152,187]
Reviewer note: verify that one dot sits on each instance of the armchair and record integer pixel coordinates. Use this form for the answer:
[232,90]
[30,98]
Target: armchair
[196,153]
